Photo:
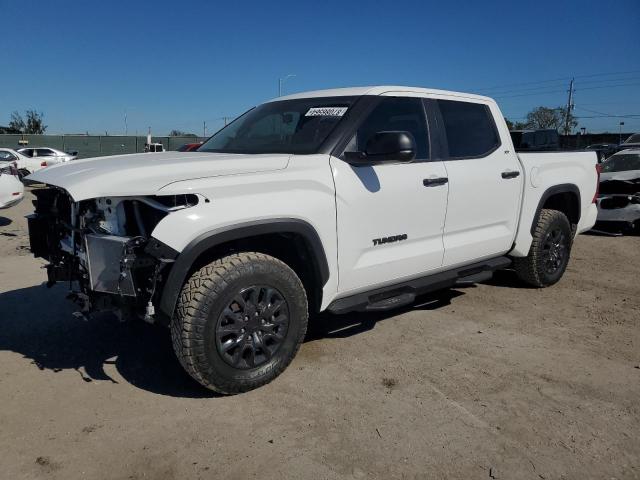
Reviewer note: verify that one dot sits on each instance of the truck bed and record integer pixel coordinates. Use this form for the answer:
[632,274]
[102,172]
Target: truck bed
[548,172]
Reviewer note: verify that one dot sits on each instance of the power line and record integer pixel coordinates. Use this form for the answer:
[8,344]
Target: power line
[607,74]
[602,114]
[612,86]
[627,79]
[529,94]
[520,90]
[499,95]
[538,82]
[630,117]
[499,87]
[545,88]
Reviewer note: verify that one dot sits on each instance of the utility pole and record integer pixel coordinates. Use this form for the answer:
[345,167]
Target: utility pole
[569,108]
[281,81]
[204,128]
[620,138]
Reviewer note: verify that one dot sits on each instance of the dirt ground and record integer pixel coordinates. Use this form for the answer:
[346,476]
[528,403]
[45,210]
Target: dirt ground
[490,381]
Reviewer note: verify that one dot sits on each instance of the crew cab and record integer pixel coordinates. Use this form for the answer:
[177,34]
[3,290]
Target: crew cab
[339,200]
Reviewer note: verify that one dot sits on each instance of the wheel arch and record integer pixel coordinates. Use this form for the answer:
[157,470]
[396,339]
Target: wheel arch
[262,236]
[564,198]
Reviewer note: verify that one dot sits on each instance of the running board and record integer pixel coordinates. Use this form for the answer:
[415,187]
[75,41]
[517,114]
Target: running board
[405,293]
[391,302]
[475,278]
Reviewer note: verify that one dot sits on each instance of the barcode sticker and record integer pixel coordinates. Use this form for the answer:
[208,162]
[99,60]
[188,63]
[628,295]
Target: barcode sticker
[326,112]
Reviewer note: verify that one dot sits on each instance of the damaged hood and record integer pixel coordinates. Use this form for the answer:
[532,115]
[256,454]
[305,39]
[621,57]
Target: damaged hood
[621,176]
[620,183]
[146,173]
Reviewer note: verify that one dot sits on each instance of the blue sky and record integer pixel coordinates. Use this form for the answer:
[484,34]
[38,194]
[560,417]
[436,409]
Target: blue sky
[176,64]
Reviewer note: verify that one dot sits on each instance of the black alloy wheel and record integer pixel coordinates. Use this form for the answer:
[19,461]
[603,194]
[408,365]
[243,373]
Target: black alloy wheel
[554,250]
[251,329]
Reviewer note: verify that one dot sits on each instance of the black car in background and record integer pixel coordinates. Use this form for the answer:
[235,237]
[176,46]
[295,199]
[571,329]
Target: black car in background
[632,142]
[604,150]
[535,140]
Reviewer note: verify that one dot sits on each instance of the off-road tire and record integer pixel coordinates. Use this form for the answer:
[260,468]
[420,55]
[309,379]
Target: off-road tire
[202,300]
[531,269]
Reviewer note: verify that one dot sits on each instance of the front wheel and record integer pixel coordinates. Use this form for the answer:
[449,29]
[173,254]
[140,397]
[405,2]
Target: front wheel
[239,322]
[550,250]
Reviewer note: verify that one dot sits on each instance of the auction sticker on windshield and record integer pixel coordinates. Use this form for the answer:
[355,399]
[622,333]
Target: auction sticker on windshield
[326,112]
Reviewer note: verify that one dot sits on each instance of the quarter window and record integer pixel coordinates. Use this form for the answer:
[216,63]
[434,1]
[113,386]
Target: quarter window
[395,114]
[469,129]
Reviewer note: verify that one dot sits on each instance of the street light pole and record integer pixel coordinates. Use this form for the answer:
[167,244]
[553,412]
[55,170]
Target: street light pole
[281,81]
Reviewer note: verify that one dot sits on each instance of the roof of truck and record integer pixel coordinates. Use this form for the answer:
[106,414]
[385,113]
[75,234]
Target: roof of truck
[377,90]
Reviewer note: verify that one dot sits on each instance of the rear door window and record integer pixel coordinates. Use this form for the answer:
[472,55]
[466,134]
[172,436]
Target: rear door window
[469,129]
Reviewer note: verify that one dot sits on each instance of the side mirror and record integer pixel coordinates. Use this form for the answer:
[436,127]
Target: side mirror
[393,146]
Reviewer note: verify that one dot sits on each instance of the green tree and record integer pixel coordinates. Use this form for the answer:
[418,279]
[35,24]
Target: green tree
[573,121]
[180,133]
[545,117]
[515,125]
[33,125]
[17,123]
[509,123]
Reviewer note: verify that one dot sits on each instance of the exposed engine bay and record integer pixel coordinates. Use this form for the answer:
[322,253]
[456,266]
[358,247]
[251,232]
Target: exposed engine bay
[104,249]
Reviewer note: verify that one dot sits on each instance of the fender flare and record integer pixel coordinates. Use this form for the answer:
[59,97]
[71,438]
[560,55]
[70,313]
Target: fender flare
[554,190]
[199,245]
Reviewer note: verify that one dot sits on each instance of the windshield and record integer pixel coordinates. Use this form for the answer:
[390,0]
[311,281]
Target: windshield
[288,126]
[622,163]
[5,156]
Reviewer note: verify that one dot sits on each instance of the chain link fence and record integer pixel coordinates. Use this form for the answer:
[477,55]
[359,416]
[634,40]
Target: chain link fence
[93,145]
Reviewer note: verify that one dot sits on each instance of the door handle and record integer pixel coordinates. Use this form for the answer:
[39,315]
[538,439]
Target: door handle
[434,182]
[510,174]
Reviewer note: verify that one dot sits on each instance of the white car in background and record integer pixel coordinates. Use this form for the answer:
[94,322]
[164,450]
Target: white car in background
[11,188]
[47,154]
[26,165]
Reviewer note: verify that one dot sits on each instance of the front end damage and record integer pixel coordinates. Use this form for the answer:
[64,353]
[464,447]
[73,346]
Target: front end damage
[619,206]
[104,249]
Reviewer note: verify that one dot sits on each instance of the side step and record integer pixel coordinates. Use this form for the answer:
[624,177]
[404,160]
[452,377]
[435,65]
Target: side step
[391,302]
[475,278]
[405,293]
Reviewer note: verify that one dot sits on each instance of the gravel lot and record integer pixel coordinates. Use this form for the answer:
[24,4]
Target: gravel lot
[490,381]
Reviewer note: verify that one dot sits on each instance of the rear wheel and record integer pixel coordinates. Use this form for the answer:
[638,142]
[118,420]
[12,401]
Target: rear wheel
[239,322]
[550,250]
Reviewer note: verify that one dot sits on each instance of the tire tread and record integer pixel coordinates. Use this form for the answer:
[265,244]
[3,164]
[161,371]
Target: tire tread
[198,296]
[527,267]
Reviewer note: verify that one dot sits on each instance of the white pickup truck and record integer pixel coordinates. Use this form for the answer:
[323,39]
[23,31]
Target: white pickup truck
[338,200]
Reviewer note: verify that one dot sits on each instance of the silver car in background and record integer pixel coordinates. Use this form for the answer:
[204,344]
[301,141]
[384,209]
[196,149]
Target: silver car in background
[47,153]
